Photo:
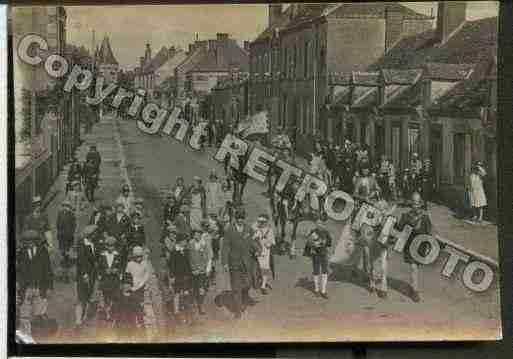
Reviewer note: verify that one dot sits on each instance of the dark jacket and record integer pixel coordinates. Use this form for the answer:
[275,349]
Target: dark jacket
[95,157]
[239,252]
[112,279]
[118,228]
[136,236]
[86,260]
[34,271]
[66,224]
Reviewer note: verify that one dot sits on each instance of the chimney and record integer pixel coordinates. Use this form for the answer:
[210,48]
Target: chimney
[275,12]
[222,36]
[393,27]
[451,14]
[147,54]
[247,45]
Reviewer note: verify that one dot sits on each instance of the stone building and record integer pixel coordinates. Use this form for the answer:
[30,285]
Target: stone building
[291,59]
[434,94]
[106,63]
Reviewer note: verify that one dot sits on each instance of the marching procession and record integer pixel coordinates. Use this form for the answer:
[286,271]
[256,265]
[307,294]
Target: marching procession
[206,235]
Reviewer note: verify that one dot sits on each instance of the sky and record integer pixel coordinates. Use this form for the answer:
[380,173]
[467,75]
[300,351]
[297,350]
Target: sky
[131,27]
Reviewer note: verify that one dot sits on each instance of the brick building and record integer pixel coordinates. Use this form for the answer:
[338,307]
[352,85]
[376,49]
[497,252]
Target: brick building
[229,100]
[221,57]
[435,94]
[290,61]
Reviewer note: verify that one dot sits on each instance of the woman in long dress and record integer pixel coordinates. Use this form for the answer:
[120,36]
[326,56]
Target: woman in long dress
[198,203]
[213,194]
[477,194]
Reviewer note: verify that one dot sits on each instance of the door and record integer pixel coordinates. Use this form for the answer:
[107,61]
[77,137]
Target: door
[436,154]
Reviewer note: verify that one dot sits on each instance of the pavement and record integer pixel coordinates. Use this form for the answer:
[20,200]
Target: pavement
[290,312]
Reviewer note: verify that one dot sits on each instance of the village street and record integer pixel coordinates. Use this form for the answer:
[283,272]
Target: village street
[290,310]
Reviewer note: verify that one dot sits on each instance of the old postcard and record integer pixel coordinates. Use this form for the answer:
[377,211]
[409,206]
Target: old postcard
[256,173]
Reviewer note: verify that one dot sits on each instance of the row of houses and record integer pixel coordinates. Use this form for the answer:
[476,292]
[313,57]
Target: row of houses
[175,73]
[379,74]
[47,120]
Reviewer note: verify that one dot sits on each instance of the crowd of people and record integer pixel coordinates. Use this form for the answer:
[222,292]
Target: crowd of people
[205,231]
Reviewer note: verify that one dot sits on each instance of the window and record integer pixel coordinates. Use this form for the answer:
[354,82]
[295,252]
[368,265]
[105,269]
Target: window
[285,61]
[305,59]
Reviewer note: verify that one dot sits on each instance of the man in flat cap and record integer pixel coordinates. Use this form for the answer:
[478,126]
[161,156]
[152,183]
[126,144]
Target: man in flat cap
[86,272]
[66,226]
[34,278]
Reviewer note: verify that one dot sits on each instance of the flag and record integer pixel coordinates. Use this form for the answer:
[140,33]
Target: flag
[256,124]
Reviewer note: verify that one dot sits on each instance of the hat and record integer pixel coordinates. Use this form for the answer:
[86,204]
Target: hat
[89,229]
[138,200]
[196,178]
[66,203]
[74,183]
[263,217]
[110,241]
[212,214]
[136,215]
[36,200]
[184,208]
[138,251]
[30,236]
[125,187]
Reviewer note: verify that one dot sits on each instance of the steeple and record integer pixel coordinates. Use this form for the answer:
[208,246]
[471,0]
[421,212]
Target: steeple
[105,55]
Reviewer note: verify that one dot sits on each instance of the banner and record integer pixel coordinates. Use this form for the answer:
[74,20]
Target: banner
[256,124]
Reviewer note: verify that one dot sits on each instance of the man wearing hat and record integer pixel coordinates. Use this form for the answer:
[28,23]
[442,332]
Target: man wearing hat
[264,235]
[126,199]
[419,220]
[38,221]
[90,178]
[138,207]
[170,210]
[76,198]
[110,270]
[94,157]
[179,190]
[366,187]
[74,173]
[119,223]
[239,253]
[66,226]
[101,217]
[86,272]
[34,277]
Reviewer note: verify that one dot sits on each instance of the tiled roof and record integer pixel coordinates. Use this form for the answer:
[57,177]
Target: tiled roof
[226,55]
[475,41]
[158,60]
[293,16]
[105,55]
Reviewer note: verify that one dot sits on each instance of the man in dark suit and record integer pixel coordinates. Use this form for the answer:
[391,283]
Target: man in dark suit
[94,157]
[239,258]
[119,228]
[34,278]
[136,234]
[86,272]
[66,226]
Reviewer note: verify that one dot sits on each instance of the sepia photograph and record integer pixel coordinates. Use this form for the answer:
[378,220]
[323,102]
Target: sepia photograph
[248,173]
